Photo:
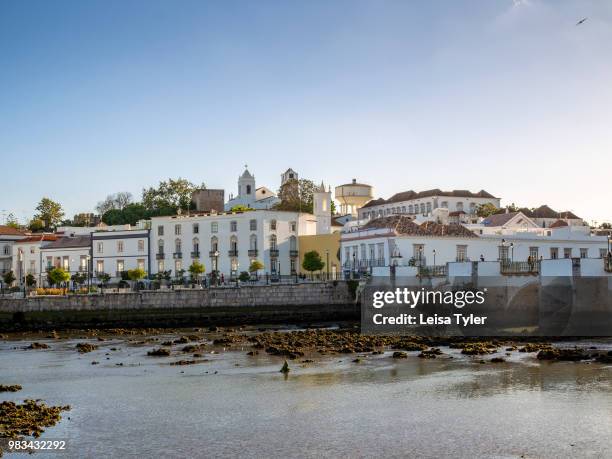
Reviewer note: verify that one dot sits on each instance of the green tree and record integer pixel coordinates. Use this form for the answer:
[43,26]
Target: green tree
[255,266]
[36,225]
[79,278]
[30,280]
[116,201]
[171,194]
[129,215]
[57,276]
[50,212]
[512,208]
[103,278]
[9,278]
[296,195]
[241,208]
[312,261]
[486,210]
[136,274]
[244,276]
[12,222]
[196,270]
[605,225]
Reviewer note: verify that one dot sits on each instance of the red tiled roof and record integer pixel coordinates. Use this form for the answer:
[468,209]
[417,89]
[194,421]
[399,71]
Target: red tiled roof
[404,225]
[39,238]
[411,194]
[10,231]
[558,224]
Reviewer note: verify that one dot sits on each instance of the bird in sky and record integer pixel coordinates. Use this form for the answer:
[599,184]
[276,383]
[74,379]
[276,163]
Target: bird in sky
[581,21]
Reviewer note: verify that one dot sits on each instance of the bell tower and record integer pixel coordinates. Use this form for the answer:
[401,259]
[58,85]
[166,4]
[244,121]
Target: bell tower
[322,209]
[246,187]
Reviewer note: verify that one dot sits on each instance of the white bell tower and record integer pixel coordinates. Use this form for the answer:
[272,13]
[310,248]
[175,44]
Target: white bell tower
[322,209]
[246,187]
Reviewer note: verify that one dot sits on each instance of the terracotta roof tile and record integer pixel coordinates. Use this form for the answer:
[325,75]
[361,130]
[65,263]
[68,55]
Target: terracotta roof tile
[10,231]
[404,225]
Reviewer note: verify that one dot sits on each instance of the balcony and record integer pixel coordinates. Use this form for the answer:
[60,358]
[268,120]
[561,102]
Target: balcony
[232,253]
[177,255]
[82,269]
[294,253]
[520,267]
[433,271]
[253,253]
[274,253]
[213,254]
[160,256]
[195,254]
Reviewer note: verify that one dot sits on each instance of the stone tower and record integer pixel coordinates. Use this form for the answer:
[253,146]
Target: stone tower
[322,209]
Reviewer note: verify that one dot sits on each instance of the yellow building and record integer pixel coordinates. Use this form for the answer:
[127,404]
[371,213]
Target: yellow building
[327,245]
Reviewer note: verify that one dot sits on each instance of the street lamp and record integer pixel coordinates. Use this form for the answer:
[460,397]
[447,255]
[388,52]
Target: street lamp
[434,254]
[216,258]
[512,252]
[327,262]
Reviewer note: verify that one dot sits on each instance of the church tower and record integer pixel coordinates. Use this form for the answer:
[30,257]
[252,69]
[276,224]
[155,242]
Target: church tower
[322,209]
[246,187]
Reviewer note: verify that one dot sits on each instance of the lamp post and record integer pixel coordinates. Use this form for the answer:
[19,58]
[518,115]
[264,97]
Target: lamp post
[512,252]
[354,261]
[88,258]
[216,257]
[327,262]
[434,254]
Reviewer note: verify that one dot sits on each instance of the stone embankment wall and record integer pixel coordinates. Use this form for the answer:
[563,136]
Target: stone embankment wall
[292,303]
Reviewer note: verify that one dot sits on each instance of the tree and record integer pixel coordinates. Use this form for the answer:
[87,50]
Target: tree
[50,212]
[486,210]
[241,208]
[12,222]
[9,278]
[79,278]
[36,225]
[255,266]
[30,280]
[103,278]
[58,276]
[173,194]
[196,270]
[512,208]
[115,201]
[129,215]
[605,225]
[296,195]
[312,261]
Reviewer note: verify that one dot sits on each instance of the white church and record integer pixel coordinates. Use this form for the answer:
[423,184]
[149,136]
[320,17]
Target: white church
[249,195]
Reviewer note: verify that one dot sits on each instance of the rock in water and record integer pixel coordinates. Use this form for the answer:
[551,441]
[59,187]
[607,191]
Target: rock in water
[285,369]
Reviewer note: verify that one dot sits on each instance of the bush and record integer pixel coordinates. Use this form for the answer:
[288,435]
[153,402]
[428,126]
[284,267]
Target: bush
[244,276]
[49,291]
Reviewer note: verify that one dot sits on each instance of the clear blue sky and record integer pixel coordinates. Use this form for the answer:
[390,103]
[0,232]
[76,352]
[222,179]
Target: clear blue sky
[105,96]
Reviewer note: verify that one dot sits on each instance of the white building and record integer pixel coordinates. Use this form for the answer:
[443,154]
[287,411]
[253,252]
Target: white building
[27,256]
[114,252]
[71,253]
[229,242]
[251,196]
[424,202]
[8,237]
[400,241]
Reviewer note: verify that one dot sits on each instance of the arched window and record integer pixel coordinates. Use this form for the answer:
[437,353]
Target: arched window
[422,208]
[410,209]
[472,207]
[273,245]
[445,204]
[272,225]
[292,243]
[459,206]
[160,246]
[253,242]
[177,246]
[214,244]
[429,207]
[248,189]
[196,244]
[233,243]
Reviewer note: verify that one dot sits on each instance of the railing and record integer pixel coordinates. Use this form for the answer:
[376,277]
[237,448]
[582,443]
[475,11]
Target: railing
[82,269]
[160,256]
[293,253]
[520,267]
[274,253]
[195,254]
[253,252]
[433,271]
[232,253]
[177,255]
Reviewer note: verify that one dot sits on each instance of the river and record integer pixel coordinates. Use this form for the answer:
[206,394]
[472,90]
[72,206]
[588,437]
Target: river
[239,405]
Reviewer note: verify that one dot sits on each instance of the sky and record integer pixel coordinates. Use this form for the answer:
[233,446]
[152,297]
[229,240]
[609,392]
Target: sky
[508,96]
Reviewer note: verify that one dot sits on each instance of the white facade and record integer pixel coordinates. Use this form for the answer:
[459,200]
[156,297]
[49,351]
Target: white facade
[70,253]
[8,237]
[27,257]
[229,242]
[423,203]
[114,252]
[250,196]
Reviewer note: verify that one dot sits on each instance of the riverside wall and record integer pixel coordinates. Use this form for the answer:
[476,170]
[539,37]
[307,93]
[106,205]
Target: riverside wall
[287,303]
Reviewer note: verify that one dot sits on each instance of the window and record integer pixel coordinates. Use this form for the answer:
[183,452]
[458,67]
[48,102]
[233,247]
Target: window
[567,252]
[372,252]
[534,253]
[462,253]
[233,226]
[120,267]
[234,264]
[362,256]
[292,265]
[160,266]
[196,245]
[214,244]
[422,207]
[177,229]
[66,263]
[160,246]
[120,246]
[32,249]
[160,230]
[503,253]
[292,226]
[273,242]
[602,253]
[429,207]
[417,251]
[584,253]
[100,266]
[410,209]
[403,209]
[272,225]
[459,206]
[253,242]
[178,266]
[7,250]
[49,263]
[140,245]
[100,247]
[380,248]
[253,225]
[83,263]
[248,189]
[140,263]
[214,227]
[196,228]
[444,204]
[554,253]
[177,246]
[292,243]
